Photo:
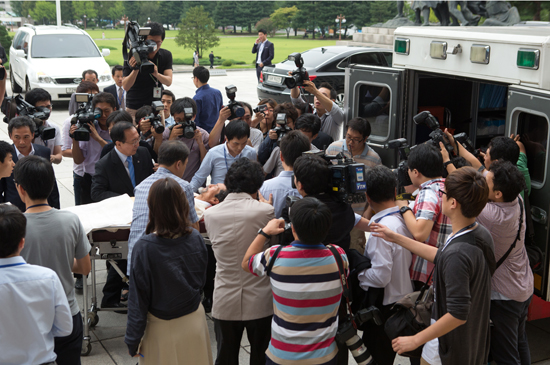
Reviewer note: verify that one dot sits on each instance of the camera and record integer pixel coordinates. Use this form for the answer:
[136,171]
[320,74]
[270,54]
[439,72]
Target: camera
[260,109]
[155,118]
[437,135]
[84,115]
[136,44]
[347,334]
[463,139]
[299,75]
[188,125]
[282,129]
[16,105]
[237,110]
[402,170]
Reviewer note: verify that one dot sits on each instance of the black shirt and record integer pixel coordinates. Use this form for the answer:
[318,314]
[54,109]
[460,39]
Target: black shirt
[141,92]
[322,141]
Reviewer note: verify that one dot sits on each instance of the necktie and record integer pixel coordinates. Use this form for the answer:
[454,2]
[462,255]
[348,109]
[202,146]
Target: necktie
[131,170]
[121,99]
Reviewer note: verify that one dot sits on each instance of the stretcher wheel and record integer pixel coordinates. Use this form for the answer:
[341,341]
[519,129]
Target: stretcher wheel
[86,349]
[93,319]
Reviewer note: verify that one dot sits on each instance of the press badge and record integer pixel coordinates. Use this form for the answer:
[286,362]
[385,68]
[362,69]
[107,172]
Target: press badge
[157,92]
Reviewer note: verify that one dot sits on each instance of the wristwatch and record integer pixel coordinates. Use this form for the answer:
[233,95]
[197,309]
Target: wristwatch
[447,164]
[264,234]
[403,209]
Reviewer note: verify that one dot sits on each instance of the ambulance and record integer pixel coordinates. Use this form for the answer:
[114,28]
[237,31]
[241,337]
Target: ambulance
[484,81]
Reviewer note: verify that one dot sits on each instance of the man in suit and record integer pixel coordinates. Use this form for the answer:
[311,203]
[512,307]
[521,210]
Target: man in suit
[21,131]
[116,89]
[211,57]
[264,52]
[117,173]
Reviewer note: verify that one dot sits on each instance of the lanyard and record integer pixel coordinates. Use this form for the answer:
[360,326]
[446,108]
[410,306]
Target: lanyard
[10,265]
[37,205]
[459,233]
[153,78]
[384,216]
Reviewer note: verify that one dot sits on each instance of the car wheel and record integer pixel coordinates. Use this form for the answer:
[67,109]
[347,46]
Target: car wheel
[340,98]
[14,86]
[27,85]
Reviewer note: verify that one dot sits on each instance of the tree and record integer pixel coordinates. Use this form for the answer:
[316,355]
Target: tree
[381,11]
[283,17]
[224,14]
[170,12]
[82,8]
[67,12]
[252,11]
[116,11]
[5,39]
[43,11]
[268,25]
[197,31]
[23,8]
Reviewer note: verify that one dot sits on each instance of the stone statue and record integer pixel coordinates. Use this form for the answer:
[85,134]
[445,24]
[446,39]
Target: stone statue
[501,13]
[464,15]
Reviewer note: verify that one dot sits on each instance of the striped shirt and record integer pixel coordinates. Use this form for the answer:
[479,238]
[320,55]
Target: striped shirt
[306,295]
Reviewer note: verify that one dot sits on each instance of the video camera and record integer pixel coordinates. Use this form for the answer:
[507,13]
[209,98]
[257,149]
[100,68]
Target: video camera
[347,334]
[426,118]
[237,110]
[402,170]
[84,116]
[188,125]
[282,128]
[155,118]
[17,106]
[136,44]
[299,75]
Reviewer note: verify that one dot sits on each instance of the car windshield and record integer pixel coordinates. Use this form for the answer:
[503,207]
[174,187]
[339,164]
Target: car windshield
[315,57]
[63,46]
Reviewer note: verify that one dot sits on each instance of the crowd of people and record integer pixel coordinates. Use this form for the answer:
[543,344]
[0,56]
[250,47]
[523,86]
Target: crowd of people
[277,240]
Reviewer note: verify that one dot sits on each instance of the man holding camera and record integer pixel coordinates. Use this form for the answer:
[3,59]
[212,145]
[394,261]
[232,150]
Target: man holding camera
[195,138]
[87,153]
[209,100]
[168,98]
[143,88]
[40,98]
[265,51]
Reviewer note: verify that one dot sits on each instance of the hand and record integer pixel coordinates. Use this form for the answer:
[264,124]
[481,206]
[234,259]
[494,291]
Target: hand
[309,86]
[156,71]
[155,134]
[225,113]
[132,62]
[93,132]
[144,125]
[198,136]
[257,40]
[379,230]
[261,64]
[273,135]
[55,160]
[518,142]
[450,137]
[176,132]
[405,344]
[444,152]
[155,167]
[274,227]
[73,129]
[262,199]
[402,203]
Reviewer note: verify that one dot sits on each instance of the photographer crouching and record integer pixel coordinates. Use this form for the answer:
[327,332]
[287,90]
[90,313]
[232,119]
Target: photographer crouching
[144,81]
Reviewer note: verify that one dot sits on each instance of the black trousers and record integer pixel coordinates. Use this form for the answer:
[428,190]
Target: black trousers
[86,189]
[210,273]
[376,340]
[258,332]
[114,284]
[508,338]
[68,348]
[258,71]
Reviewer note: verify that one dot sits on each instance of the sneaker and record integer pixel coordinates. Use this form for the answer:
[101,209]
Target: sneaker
[78,284]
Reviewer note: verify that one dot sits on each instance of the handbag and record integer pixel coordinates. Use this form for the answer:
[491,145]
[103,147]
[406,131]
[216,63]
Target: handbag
[412,315]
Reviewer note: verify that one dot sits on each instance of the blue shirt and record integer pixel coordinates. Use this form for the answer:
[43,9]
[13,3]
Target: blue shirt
[280,187]
[140,216]
[168,122]
[216,163]
[209,103]
[34,311]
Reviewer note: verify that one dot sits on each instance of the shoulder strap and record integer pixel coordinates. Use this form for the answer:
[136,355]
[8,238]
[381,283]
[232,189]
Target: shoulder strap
[505,256]
[341,271]
[272,260]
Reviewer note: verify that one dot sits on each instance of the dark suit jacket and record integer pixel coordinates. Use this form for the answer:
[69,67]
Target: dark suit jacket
[111,178]
[268,52]
[8,192]
[112,90]
[322,141]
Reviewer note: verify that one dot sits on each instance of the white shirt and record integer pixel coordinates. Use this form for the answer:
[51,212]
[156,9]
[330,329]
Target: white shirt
[256,138]
[34,311]
[390,262]
[123,158]
[260,50]
[20,155]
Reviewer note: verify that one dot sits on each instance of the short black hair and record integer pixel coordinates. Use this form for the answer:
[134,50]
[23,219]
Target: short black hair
[504,148]
[201,73]
[119,116]
[20,122]
[458,162]
[87,87]
[156,29]
[35,95]
[170,94]
[246,105]
[303,108]
[143,112]
[171,152]
[180,104]
[381,184]
[293,144]
[308,123]
[313,173]
[244,176]
[262,30]
[84,73]
[35,175]
[286,108]
[328,86]
[118,132]
[237,129]
[104,97]
[360,125]
[116,68]
[507,179]
[13,226]
[427,160]
[311,220]
[5,148]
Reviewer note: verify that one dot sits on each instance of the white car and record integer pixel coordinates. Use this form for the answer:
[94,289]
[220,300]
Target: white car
[53,58]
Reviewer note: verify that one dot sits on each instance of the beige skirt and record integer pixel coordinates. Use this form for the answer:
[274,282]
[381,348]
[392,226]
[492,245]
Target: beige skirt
[183,340]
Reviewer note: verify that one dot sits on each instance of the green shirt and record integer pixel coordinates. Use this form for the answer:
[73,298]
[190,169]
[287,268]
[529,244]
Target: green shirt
[522,166]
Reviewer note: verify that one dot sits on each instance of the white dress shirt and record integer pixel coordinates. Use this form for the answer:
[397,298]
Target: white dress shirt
[34,311]
[20,155]
[124,160]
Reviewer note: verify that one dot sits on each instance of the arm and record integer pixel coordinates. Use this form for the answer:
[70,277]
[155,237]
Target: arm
[266,148]
[63,321]
[138,303]
[82,266]
[200,143]
[164,78]
[128,81]
[78,156]
[419,228]
[56,157]
[461,151]
[273,228]
[379,274]
[363,224]
[100,184]
[2,89]
[418,248]
[325,102]
[270,54]
[215,133]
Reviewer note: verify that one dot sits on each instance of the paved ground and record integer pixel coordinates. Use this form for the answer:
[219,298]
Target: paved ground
[108,336]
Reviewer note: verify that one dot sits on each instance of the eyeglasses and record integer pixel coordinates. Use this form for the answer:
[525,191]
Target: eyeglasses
[443,191]
[356,140]
[134,142]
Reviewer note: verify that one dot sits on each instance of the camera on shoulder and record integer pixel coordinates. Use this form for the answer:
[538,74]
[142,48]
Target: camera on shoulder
[17,106]
[84,116]
[236,107]
[136,44]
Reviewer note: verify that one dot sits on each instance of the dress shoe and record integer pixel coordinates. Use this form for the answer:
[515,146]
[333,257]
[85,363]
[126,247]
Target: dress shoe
[124,296]
[78,284]
[116,305]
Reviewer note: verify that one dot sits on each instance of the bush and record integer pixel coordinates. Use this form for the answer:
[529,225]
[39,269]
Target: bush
[227,63]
